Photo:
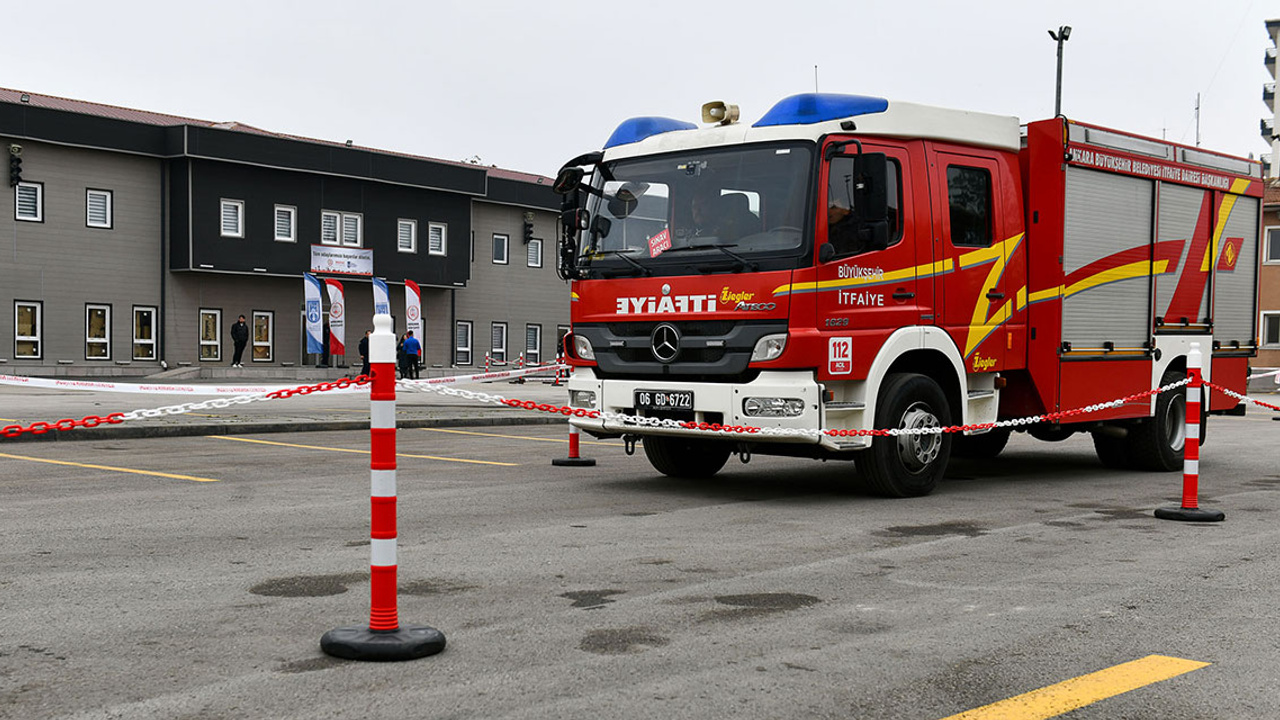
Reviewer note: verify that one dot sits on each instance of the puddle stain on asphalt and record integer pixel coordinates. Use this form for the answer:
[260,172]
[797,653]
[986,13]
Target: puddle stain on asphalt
[621,641]
[935,530]
[590,599]
[434,587]
[308,585]
[756,605]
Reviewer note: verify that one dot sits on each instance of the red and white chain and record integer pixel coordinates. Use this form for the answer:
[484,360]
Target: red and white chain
[1238,396]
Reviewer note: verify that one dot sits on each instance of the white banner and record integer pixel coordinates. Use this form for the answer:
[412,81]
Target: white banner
[332,260]
[381,298]
[315,318]
[413,311]
[337,322]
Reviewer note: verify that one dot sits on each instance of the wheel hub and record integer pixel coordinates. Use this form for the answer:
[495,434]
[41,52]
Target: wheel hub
[1175,418]
[919,451]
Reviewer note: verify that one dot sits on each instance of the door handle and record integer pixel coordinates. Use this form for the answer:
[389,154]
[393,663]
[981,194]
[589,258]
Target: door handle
[903,295]
[993,295]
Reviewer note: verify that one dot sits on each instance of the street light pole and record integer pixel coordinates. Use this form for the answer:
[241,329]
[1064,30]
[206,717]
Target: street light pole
[1061,36]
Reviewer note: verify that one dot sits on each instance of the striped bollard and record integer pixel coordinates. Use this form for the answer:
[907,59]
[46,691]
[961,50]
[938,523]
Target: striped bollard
[1191,510]
[574,460]
[384,638]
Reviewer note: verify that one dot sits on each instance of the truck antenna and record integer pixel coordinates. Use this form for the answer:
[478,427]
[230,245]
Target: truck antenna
[815,78]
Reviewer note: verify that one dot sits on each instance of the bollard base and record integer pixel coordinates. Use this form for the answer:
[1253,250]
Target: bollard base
[1190,514]
[573,462]
[408,642]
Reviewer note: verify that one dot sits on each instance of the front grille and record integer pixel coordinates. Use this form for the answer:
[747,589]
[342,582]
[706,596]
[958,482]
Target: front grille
[717,349]
[692,328]
[696,355]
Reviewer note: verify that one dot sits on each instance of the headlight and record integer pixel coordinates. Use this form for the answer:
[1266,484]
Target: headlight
[582,398]
[772,407]
[582,348]
[769,347]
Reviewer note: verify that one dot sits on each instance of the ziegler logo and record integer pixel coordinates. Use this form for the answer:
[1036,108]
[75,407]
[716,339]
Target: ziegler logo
[980,363]
[764,307]
[727,296]
[666,304]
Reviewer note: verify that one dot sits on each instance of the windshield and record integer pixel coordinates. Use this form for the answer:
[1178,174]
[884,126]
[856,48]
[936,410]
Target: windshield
[714,209]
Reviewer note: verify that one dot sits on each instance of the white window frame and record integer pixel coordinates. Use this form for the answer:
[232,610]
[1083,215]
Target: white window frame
[38,338]
[292,213]
[1262,330]
[503,241]
[105,340]
[336,238]
[138,342]
[535,253]
[269,343]
[412,226]
[238,206]
[459,348]
[533,354]
[17,205]
[498,353]
[89,194]
[1268,248]
[357,221]
[444,239]
[216,343]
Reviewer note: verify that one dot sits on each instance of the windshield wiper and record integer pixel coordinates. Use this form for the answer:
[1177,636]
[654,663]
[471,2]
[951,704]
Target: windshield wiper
[621,254]
[722,247]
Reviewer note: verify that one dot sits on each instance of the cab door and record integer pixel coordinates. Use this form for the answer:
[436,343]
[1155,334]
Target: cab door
[865,294]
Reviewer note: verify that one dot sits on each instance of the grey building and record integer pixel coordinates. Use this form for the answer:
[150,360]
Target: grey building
[135,239]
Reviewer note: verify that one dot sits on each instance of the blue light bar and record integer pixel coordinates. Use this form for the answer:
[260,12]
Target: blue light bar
[809,108]
[639,128]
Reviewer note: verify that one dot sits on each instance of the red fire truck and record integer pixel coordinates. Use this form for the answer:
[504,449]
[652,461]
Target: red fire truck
[851,263]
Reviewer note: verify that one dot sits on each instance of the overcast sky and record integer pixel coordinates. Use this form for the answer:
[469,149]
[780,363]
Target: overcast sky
[527,84]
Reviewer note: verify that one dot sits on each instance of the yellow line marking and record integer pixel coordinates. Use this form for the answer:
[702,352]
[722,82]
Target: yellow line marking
[359,452]
[518,437]
[1054,700]
[108,467]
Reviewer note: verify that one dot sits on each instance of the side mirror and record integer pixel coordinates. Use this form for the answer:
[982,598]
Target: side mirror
[826,252]
[876,234]
[871,179]
[567,181]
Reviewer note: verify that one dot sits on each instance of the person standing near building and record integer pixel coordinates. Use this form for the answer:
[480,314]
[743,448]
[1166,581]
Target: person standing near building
[412,354]
[239,336]
[364,354]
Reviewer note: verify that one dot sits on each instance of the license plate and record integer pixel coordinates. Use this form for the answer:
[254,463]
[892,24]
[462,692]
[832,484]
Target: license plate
[664,400]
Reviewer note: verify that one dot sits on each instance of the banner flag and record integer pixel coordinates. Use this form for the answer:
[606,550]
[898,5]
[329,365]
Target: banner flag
[381,298]
[315,318]
[413,310]
[337,309]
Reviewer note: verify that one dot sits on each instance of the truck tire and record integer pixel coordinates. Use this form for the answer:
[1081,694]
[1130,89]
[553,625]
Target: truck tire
[1157,443]
[1113,452]
[986,445]
[907,465]
[686,458]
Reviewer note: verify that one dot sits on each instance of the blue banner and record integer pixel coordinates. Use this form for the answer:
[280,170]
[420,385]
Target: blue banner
[381,297]
[315,315]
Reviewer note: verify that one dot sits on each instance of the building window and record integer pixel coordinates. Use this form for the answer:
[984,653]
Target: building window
[500,249]
[969,190]
[233,218]
[532,343]
[1271,329]
[97,208]
[97,332]
[351,235]
[286,223]
[462,343]
[27,327]
[1272,255]
[498,348]
[263,335]
[407,236]
[438,240]
[144,333]
[329,222]
[29,201]
[210,334]
[535,253]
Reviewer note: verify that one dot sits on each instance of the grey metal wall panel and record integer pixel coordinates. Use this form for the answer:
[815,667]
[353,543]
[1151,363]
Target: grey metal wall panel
[1181,212]
[1106,214]
[1234,288]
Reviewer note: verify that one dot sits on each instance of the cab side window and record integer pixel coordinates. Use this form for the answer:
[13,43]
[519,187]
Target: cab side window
[843,229]
[969,194]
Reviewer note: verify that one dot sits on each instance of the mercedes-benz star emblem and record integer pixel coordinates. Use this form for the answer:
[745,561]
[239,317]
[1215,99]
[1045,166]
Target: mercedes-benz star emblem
[665,342]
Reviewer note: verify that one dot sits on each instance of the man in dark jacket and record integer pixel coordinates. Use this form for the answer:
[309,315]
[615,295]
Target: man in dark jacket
[239,336]
[364,353]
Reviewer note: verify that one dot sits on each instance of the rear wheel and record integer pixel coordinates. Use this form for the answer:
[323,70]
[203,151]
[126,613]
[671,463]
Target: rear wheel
[1113,452]
[908,465]
[1157,443]
[986,445]
[684,457]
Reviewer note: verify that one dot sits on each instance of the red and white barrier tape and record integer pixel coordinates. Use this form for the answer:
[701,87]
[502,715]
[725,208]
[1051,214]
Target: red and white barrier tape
[1273,373]
[103,386]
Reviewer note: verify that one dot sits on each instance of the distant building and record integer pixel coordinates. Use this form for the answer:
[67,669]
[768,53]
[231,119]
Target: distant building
[136,237]
[1269,271]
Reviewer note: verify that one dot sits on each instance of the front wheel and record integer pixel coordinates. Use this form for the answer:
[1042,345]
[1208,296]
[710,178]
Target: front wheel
[908,465]
[686,458]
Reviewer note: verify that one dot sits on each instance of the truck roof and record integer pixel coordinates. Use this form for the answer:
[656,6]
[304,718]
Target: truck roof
[809,116]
